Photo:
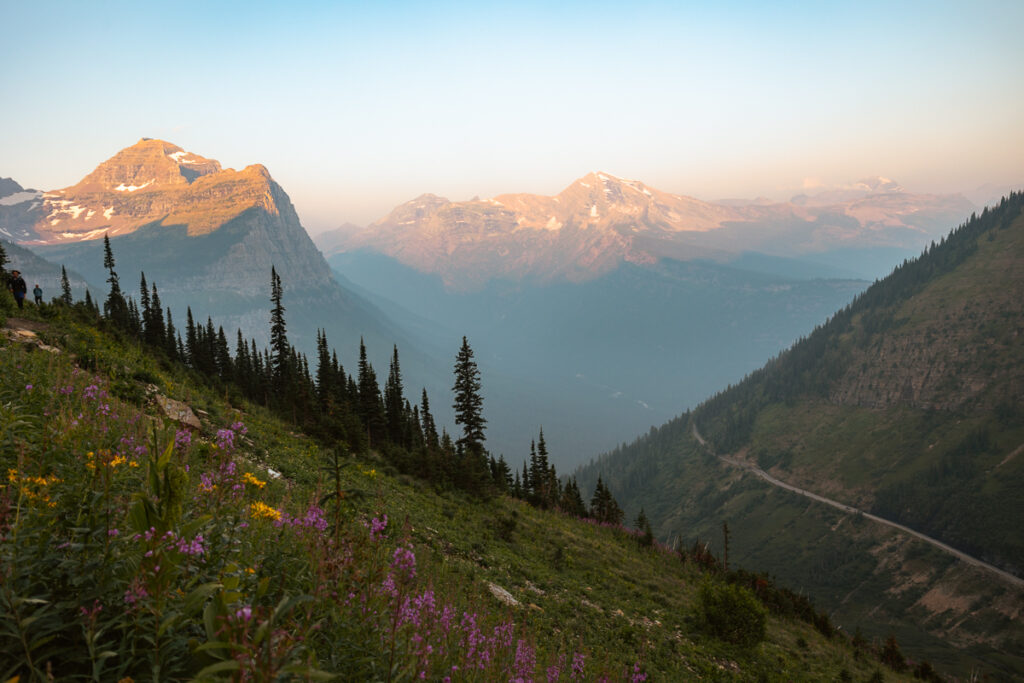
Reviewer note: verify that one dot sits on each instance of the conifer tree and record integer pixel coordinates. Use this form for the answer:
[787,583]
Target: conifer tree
[115,308]
[280,348]
[3,263]
[324,371]
[191,340]
[225,367]
[429,427]
[169,338]
[643,525]
[144,303]
[468,403]
[371,408]
[65,285]
[156,320]
[394,402]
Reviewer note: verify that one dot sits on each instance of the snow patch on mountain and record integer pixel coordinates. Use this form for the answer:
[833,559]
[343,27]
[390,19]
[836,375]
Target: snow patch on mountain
[20,197]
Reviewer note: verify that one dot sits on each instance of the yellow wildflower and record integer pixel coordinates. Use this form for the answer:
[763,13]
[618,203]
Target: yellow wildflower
[264,511]
[250,478]
[370,473]
[250,570]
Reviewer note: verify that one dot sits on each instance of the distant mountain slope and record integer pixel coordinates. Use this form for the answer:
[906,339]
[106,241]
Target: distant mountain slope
[601,221]
[37,270]
[607,358]
[907,404]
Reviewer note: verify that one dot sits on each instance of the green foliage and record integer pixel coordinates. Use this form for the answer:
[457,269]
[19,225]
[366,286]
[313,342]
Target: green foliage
[731,613]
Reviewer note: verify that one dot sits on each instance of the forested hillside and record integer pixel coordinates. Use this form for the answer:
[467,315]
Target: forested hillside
[904,404]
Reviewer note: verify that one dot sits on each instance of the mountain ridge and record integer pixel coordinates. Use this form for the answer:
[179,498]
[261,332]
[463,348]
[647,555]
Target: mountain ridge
[600,221]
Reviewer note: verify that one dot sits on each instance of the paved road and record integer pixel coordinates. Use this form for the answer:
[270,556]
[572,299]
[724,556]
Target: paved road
[1006,576]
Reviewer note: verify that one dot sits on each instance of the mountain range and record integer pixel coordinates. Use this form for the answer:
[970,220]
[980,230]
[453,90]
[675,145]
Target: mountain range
[596,313]
[601,221]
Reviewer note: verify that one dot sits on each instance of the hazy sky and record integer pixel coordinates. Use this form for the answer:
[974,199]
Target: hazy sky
[357,107]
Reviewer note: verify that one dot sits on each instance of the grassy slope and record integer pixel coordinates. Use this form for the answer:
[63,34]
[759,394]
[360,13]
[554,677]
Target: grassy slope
[581,587]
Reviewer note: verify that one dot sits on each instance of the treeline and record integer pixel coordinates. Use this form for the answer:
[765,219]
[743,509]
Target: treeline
[814,362]
[346,410]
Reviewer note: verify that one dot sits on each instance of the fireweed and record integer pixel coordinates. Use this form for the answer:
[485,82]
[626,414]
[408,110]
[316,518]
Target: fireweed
[103,576]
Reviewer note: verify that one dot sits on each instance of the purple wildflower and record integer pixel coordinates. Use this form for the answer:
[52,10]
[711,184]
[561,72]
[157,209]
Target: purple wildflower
[226,439]
[377,527]
[182,439]
[578,660]
[404,560]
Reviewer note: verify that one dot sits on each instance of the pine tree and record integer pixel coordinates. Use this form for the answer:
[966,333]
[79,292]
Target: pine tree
[156,320]
[324,371]
[191,339]
[468,403]
[371,409]
[65,286]
[224,365]
[643,525]
[429,427]
[3,262]
[146,310]
[169,338]
[394,402]
[281,349]
[115,308]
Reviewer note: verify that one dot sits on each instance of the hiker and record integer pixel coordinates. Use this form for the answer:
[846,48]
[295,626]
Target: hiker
[18,288]
[38,294]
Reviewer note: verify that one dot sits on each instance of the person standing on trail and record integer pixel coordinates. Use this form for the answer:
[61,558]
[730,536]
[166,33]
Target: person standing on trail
[18,288]
[38,294]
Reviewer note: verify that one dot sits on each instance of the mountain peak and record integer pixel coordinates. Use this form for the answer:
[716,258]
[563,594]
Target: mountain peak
[149,164]
[879,184]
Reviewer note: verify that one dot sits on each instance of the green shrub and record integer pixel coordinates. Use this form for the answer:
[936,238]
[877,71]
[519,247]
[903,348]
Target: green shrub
[731,613]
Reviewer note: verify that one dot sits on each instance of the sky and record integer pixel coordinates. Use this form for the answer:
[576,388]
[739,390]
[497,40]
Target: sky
[357,107]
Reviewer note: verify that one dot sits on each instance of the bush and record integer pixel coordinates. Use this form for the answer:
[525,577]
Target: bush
[731,613]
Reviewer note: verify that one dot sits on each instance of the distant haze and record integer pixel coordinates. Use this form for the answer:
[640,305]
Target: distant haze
[357,107]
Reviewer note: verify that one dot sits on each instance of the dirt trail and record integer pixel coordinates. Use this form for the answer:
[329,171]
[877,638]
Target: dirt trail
[1006,576]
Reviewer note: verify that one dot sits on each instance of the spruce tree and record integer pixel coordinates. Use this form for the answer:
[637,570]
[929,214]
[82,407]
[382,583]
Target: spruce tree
[429,427]
[324,371]
[371,408]
[394,402]
[280,348]
[169,338]
[468,403]
[191,338]
[115,308]
[156,320]
[65,286]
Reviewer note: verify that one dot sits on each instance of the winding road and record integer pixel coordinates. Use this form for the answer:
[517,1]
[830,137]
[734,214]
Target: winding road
[963,557]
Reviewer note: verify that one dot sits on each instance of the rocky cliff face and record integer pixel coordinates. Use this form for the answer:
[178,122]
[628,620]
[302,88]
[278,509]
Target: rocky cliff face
[601,221]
